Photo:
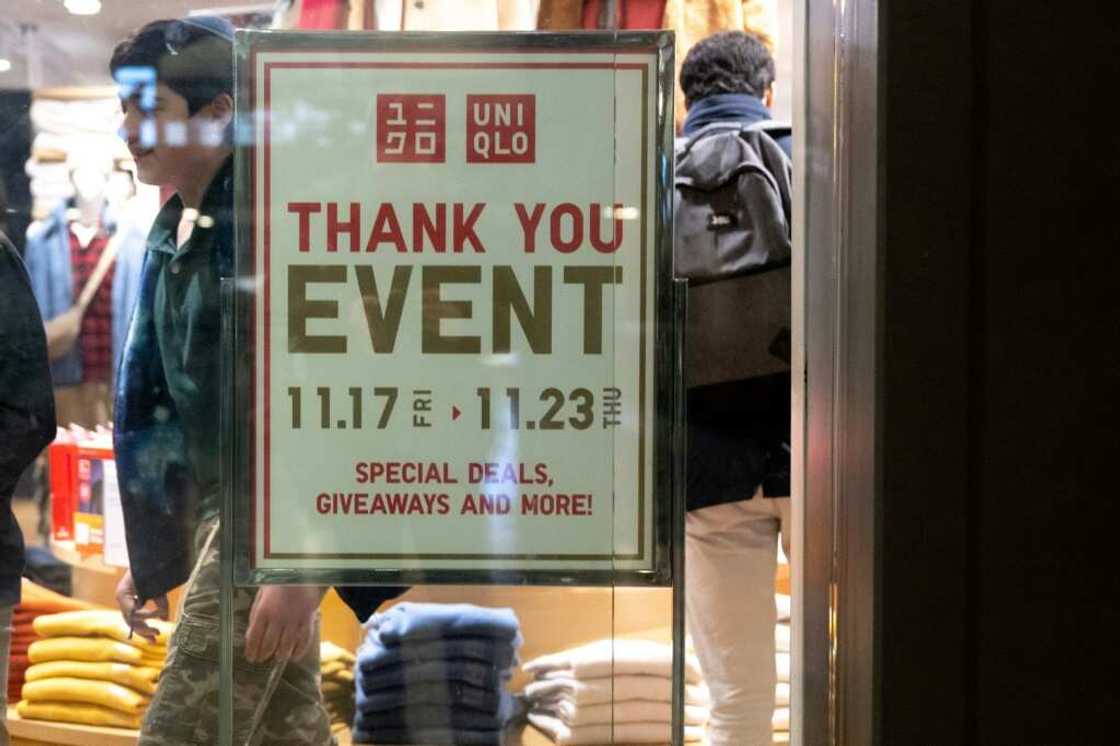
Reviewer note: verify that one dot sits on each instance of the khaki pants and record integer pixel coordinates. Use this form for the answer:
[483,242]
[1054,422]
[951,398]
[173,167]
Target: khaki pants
[274,703]
[730,561]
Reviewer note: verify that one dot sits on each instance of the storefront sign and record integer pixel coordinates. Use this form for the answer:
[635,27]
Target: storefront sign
[454,329]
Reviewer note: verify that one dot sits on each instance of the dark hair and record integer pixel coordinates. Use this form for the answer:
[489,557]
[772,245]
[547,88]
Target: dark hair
[727,62]
[193,57]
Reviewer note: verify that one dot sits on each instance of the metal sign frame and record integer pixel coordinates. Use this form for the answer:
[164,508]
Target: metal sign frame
[666,491]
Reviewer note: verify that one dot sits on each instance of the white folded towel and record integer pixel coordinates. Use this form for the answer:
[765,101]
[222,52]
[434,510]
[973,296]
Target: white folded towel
[555,729]
[632,711]
[782,601]
[612,657]
[781,695]
[780,721]
[781,638]
[614,689]
[782,663]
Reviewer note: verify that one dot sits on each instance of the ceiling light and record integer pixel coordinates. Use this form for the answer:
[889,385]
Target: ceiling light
[5,65]
[83,7]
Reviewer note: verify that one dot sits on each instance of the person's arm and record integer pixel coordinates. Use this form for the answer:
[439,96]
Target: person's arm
[136,614]
[280,622]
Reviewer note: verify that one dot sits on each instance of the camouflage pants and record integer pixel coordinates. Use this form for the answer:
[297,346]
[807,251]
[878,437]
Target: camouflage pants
[274,703]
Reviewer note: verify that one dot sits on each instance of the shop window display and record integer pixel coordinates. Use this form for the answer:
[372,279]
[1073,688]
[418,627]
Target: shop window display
[129,286]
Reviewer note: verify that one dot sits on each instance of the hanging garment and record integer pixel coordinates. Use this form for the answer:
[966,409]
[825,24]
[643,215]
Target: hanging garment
[52,280]
[95,336]
[467,15]
[629,14]
[323,14]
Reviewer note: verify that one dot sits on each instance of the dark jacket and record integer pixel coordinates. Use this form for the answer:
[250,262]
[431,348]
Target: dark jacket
[27,423]
[164,491]
[738,432]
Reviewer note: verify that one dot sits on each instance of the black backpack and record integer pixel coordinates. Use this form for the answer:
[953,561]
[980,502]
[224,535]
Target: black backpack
[732,242]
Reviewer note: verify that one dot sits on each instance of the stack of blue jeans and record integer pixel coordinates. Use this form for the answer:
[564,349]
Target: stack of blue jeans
[436,674]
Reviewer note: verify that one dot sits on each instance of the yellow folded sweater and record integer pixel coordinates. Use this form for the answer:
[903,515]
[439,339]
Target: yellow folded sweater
[100,623]
[86,691]
[90,649]
[329,652]
[141,678]
[71,712]
[334,669]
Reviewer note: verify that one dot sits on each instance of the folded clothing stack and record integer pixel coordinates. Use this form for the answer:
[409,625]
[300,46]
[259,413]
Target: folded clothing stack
[614,691]
[436,674]
[780,722]
[336,670]
[36,601]
[86,669]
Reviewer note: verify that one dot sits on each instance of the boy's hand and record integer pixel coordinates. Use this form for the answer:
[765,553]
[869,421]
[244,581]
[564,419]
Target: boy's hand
[134,613]
[280,622]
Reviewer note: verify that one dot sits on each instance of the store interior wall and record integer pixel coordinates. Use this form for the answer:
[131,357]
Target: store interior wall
[996,588]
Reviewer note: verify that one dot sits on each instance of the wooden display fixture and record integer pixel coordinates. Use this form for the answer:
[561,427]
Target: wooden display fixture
[43,732]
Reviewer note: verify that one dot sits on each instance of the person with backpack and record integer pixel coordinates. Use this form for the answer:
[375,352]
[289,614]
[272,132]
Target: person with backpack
[732,241]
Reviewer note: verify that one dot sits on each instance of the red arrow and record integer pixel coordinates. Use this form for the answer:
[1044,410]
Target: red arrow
[455,412]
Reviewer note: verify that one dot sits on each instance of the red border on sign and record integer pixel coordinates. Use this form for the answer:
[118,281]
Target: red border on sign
[267,208]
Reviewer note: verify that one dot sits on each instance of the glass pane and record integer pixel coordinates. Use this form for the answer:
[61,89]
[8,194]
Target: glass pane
[365,355]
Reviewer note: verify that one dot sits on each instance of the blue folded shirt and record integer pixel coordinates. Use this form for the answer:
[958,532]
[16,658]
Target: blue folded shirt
[423,716]
[373,655]
[446,693]
[478,674]
[430,736]
[421,621]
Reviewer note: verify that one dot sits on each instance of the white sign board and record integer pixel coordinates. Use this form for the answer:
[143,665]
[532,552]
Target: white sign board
[454,322]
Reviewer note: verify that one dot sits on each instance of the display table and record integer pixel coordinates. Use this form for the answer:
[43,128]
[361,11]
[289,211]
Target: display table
[42,732]
[36,732]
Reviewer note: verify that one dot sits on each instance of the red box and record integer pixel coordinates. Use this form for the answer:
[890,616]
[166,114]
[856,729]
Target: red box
[62,457]
[411,128]
[501,128]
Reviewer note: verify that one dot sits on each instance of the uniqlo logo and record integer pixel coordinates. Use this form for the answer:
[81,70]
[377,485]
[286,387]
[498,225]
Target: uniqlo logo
[410,128]
[501,128]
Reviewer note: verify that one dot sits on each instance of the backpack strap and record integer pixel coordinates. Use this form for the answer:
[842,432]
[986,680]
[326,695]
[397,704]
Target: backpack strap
[772,128]
[710,129]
